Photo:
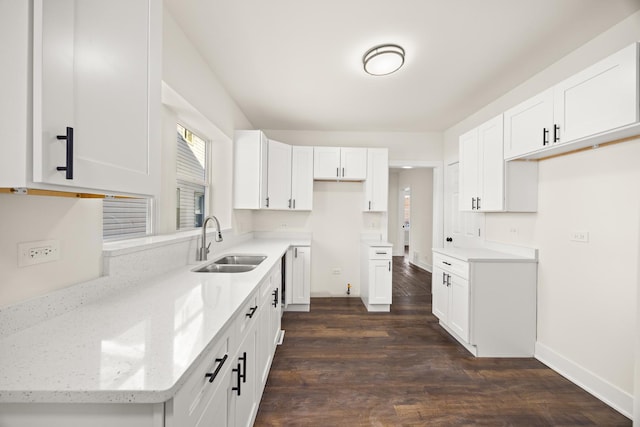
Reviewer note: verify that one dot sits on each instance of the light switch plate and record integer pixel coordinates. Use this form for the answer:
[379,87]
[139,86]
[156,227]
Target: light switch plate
[580,236]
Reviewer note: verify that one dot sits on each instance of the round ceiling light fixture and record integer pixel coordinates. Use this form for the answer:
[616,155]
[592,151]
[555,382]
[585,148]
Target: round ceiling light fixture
[383,59]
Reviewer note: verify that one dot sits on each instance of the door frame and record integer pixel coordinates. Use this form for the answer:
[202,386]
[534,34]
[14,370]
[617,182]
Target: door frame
[438,194]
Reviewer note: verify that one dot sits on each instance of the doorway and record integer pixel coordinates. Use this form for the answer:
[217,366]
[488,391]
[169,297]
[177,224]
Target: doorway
[405,204]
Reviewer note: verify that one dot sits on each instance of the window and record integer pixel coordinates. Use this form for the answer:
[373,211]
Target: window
[124,218]
[191,173]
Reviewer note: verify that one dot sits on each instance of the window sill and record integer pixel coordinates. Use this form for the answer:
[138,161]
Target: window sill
[123,247]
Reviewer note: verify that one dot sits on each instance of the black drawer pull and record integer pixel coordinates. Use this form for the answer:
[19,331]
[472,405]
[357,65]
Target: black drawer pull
[556,133]
[251,312]
[275,297]
[545,136]
[446,263]
[220,362]
[243,375]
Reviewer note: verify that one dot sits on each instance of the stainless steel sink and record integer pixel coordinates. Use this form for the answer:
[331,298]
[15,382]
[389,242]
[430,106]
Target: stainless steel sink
[232,264]
[224,268]
[241,259]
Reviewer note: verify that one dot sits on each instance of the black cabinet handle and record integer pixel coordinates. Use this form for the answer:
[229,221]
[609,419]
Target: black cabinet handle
[478,203]
[389,265]
[446,263]
[294,203]
[448,280]
[545,136]
[275,297]
[220,362]
[556,133]
[267,202]
[239,384]
[473,203]
[343,172]
[449,239]
[369,205]
[295,252]
[243,375]
[251,312]
[289,203]
[337,172]
[69,167]
[444,278]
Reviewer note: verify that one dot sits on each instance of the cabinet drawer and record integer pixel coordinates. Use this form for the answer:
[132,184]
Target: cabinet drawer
[192,399]
[247,315]
[451,265]
[379,252]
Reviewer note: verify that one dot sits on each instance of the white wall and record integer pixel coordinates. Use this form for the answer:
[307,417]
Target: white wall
[76,223]
[420,180]
[587,292]
[393,215]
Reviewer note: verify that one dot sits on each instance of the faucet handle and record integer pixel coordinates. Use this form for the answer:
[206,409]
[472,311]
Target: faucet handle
[208,247]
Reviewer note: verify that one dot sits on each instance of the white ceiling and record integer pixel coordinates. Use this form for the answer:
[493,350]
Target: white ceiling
[297,64]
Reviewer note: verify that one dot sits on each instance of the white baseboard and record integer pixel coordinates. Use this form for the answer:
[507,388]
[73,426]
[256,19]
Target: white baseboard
[610,394]
[422,265]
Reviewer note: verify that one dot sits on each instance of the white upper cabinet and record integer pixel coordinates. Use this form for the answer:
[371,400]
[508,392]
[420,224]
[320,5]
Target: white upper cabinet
[250,169]
[596,105]
[487,182]
[96,89]
[528,126]
[302,178]
[336,163]
[279,176]
[271,175]
[600,98]
[376,186]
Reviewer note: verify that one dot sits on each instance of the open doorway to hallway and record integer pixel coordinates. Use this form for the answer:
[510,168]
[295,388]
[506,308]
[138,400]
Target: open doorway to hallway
[411,214]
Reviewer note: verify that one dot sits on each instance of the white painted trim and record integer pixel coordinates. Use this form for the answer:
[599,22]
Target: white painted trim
[427,267]
[610,394]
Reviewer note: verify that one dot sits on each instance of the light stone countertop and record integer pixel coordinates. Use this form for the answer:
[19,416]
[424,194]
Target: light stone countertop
[138,345]
[483,255]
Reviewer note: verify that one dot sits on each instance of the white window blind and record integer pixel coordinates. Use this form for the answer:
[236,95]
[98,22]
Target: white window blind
[191,179]
[124,218]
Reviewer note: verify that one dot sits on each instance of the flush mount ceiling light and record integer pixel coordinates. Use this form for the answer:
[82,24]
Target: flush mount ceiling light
[383,59]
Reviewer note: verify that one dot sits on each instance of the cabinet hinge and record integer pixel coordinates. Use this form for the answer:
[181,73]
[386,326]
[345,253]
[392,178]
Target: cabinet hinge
[22,191]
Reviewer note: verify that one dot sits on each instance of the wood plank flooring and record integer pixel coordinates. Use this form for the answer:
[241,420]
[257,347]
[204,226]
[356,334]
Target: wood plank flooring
[342,366]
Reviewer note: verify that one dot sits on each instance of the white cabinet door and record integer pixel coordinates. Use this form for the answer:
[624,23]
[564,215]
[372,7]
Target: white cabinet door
[278,176]
[301,275]
[302,178]
[600,98]
[245,376]
[439,294]
[335,163]
[491,166]
[216,413]
[326,163]
[458,316]
[97,72]
[469,170]
[528,126]
[380,281]
[250,149]
[376,186]
[353,164]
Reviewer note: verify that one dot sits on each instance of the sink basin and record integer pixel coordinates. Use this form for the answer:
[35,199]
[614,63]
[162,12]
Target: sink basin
[240,259]
[224,268]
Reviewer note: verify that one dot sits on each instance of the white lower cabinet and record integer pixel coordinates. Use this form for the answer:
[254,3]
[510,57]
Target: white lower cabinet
[375,277]
[488,304]
[298,292]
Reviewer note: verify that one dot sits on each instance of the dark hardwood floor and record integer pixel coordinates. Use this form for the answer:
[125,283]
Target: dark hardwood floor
[342,366]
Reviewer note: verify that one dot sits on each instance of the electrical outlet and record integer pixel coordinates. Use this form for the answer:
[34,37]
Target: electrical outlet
[337,271]
[31,253]
[579,236]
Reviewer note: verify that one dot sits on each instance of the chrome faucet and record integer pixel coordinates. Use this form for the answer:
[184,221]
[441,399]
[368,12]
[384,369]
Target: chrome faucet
[204,249]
